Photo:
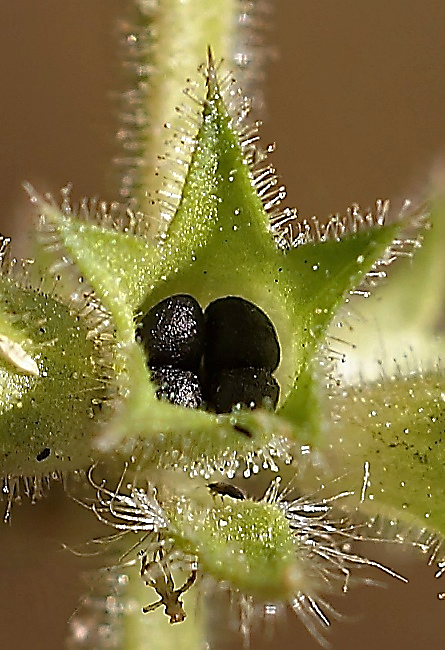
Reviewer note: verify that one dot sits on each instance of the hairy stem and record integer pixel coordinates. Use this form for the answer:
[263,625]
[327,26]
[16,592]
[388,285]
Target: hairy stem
[167,46]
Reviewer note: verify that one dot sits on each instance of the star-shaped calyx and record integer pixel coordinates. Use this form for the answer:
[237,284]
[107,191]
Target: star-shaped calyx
[221,242]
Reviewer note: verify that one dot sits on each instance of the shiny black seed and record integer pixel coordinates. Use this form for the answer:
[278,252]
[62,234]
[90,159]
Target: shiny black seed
[172,333]
[226,489]
[180,387]
[247,387]
[239,335]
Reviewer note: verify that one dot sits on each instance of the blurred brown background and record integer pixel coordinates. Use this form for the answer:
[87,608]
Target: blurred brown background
[356,105]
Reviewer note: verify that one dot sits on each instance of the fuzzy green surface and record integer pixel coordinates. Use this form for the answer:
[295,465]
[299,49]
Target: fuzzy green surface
[247,544]
[168,44]
[402,320]
[396,425]
[53,410]
[117,264]
[416,291]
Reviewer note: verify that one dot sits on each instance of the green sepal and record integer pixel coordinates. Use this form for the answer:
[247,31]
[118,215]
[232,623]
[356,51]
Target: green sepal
[404,312]
[396,426]
[413,298]
[247,544]
[49,397]
[323,274]
[117,265]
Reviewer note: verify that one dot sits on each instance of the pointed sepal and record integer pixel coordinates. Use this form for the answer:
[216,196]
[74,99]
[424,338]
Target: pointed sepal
[117,265]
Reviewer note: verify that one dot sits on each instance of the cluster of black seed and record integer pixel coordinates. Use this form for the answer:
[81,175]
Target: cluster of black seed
[215,359]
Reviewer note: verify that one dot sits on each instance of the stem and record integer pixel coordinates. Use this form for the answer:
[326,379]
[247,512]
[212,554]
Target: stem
[168,45]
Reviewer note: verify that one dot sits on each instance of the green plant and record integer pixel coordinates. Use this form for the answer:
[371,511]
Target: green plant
[298,421]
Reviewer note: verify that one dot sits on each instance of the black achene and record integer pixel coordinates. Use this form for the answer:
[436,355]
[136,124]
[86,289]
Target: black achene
[172,333]
[250,387]
[181,387]
[239,335]
[222,359]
